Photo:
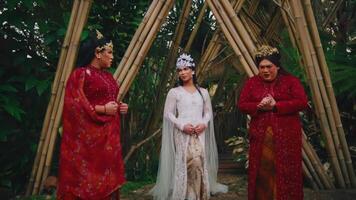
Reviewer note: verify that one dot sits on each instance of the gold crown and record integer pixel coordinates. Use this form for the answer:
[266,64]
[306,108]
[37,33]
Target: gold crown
[266,50]
[108,45]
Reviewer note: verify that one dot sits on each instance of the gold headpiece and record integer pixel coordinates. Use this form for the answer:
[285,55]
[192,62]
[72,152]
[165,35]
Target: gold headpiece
[266,50]
[108,45]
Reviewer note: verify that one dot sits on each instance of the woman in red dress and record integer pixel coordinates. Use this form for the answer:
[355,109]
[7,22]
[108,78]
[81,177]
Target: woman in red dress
[273,99]
[91,165]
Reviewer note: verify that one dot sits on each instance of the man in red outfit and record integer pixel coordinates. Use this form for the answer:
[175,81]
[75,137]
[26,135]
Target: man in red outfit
[273,99]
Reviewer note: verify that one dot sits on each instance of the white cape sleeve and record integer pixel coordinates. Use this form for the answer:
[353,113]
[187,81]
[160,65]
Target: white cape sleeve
[211,151]
[165,176]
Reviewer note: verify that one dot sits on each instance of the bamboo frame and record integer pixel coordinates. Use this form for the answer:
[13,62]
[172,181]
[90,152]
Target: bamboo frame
[53,113]
[143,51]
[121,66]
[309,176]
[314,85]
[310,152]
[141,39]
[245,37]
[233,31]
[332,13]
[229,37]
[69,65]
[311,169]
[237,30]
[326,103]
[196,27]
[54,92]
[330,91]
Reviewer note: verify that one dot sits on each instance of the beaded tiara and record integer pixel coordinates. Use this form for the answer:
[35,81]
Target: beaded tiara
[185,60]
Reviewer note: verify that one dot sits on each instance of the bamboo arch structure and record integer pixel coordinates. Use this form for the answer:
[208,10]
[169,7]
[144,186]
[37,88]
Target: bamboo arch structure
[243,35]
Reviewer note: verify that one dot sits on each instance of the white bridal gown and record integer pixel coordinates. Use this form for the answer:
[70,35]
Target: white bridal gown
[188,163]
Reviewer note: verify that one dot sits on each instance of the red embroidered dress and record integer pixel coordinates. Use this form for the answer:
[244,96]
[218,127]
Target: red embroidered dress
[91,165]
[286,127]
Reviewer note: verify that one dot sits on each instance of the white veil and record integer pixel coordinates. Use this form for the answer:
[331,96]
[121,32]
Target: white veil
[165,176]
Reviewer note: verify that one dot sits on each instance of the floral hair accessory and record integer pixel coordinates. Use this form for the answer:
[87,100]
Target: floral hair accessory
[108,45]
[185,60]
[266,50]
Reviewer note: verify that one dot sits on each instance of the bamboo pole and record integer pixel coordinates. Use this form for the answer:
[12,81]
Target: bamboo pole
[52,118]
[310,152]
[239,5]
[253,33]
[331,14]
[235,35]
[253,6]
[54,91]
[272,26]
[311,169]
[196,27]
[309,176]
[44,152]
[70,65]
[213,45]
[289,26]
[245,37]
[326,103]
[309,66]
[328,84]
[143,51]
[141,40]
[229,38]
[134,40]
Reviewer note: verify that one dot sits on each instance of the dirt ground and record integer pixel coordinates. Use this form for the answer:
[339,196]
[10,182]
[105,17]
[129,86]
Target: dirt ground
[238,191]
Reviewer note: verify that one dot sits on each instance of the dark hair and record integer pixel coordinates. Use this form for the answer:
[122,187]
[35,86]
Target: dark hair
[274,58]
[195,82]
[88,47]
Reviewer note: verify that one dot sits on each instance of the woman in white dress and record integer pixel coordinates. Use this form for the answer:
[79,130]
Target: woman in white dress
[189,159]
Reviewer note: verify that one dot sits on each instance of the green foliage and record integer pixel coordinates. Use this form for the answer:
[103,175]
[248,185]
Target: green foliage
[30,47]
[239,146]
[131,186]
[31,35]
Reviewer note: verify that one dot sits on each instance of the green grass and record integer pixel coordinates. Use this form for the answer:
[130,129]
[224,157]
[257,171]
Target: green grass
[130,186]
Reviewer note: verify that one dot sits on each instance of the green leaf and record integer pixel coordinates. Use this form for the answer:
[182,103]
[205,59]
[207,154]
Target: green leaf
[31,82]
[14,109]
[84,35]
[7,88]
[42,86]
[61,32]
